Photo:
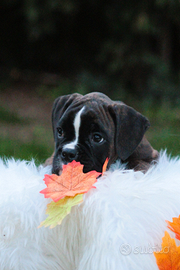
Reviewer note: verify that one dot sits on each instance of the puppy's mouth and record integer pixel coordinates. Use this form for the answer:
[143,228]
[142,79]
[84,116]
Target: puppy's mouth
[61,169]
[57,171]
[84,156]
[58,165]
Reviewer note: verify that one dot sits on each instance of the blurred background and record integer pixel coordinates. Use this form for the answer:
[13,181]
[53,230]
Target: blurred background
[129,50]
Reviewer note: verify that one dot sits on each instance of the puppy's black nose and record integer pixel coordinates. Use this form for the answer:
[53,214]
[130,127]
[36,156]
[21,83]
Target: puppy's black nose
[68,154]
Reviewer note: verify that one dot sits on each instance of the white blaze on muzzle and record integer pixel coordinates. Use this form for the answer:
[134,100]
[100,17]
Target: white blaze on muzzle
[77,124]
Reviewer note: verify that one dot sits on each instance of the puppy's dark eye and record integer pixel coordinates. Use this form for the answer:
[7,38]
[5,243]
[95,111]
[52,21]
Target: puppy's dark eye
[97,138]
[60,132]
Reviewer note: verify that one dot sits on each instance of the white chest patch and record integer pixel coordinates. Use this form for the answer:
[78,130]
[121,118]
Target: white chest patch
[77,124]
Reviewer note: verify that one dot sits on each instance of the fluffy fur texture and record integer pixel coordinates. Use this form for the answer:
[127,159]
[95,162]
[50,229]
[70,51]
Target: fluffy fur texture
[118,226]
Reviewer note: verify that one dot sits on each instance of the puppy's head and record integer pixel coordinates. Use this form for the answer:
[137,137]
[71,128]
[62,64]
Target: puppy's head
[91,128]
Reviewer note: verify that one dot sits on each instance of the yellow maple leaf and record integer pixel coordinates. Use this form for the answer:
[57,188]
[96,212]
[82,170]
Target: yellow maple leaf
[57,211]
[67,190]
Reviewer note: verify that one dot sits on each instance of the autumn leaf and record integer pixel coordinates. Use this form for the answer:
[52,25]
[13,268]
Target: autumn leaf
[175,226]
[57,211]
[72,181]
[169,257]
[105,165]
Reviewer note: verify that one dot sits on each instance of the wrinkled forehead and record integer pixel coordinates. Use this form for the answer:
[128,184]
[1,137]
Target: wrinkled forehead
[88,113]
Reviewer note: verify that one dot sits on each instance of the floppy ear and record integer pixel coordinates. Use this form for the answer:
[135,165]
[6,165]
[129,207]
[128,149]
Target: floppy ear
[130,127]
[59,107]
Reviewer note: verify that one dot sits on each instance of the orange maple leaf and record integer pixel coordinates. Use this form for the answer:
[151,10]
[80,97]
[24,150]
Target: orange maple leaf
[175,226]
[72,181]
[169,257]
[105,165]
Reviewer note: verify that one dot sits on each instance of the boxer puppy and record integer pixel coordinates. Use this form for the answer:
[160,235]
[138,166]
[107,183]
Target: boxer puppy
[91,128]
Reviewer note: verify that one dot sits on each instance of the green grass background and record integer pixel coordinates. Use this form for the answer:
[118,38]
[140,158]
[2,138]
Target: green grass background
[39,147]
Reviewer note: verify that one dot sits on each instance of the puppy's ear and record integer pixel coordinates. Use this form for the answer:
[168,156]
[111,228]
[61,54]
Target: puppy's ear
[59,107]
[130,127]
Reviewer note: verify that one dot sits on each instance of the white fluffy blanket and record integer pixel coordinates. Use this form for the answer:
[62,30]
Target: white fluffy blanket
[118,226]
